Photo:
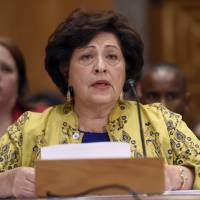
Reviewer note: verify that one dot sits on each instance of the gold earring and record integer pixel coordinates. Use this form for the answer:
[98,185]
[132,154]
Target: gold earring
[69,95]
[121,97]
[68,103]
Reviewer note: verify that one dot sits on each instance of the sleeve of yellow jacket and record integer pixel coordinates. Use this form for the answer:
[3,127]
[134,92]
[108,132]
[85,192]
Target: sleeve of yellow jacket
[185,145]
[11,145]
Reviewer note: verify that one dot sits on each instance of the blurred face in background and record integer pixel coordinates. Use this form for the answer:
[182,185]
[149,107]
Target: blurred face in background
[97,71]
[8,79]
[164,87]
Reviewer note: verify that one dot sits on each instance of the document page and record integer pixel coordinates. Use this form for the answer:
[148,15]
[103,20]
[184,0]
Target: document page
[182,192]
[96,150]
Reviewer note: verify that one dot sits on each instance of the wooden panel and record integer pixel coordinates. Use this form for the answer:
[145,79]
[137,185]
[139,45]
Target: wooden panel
[178,40]
[71,177]
[30,23]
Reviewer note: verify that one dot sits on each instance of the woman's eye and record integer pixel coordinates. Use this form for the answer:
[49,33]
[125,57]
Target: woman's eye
[86,57]
[112,57]
[6,68]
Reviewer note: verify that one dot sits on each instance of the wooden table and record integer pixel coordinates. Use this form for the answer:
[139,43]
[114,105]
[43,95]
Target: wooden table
[141,197]
[129,197]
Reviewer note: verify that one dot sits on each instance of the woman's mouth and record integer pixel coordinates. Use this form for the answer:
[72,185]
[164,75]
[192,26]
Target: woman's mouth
[101,84]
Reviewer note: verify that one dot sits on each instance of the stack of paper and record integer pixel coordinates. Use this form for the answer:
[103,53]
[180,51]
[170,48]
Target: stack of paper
[98,150]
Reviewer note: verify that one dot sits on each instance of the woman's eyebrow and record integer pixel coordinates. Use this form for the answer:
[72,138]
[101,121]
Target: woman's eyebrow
[93,47]
[85,47]
[89,46]
[112,46]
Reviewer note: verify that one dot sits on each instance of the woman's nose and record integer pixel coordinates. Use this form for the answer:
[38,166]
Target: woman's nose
[100,65]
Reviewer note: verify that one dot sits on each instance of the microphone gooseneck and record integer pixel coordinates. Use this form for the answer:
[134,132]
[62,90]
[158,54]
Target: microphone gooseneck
[131,82]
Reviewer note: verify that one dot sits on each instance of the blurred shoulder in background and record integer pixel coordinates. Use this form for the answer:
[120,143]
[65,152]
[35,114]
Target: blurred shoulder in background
[44,99]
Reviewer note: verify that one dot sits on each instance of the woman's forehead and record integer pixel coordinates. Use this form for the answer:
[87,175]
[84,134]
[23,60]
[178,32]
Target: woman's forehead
[103,39]
[6,56]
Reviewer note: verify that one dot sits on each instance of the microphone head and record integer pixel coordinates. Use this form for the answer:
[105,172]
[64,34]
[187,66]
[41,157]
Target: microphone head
[131,82]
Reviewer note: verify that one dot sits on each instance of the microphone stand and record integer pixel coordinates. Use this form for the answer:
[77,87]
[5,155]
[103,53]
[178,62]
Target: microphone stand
[132,85]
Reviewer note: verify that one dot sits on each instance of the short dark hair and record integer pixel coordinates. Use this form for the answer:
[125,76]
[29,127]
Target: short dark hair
[79,29]
[169,67]
[20,64]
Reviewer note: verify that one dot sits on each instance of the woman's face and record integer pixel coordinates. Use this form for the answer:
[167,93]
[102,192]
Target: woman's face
[97,71]
[8,79]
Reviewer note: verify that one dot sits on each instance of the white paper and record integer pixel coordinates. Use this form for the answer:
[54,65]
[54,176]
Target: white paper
[96,150]
[182,192]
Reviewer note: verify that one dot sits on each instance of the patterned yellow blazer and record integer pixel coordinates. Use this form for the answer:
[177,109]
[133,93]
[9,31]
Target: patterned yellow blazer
[166,135]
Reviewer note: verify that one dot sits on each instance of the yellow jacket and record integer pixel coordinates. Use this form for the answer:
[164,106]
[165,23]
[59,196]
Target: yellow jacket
[166,135]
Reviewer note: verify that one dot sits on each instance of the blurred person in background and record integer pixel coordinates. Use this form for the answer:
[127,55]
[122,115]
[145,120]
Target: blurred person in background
[195,126]
[44,99]
[165,83]
[13,83]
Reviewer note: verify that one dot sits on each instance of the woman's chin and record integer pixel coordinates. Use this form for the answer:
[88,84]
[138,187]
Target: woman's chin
[99,100]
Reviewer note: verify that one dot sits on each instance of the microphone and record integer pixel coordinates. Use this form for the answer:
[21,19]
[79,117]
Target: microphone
[131,82]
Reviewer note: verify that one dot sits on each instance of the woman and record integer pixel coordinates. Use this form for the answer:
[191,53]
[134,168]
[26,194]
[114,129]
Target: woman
[89,57]
[13,83]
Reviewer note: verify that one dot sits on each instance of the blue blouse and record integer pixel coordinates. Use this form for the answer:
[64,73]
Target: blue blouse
[95,137]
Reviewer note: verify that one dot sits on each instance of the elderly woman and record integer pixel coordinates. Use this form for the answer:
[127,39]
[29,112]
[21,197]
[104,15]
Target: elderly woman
[89,57]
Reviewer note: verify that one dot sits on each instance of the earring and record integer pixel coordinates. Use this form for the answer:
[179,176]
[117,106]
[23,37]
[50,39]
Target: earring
[121,97]
[68,104]
[69,95]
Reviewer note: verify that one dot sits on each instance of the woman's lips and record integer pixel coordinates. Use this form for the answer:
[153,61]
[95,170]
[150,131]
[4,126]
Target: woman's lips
[101,84]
